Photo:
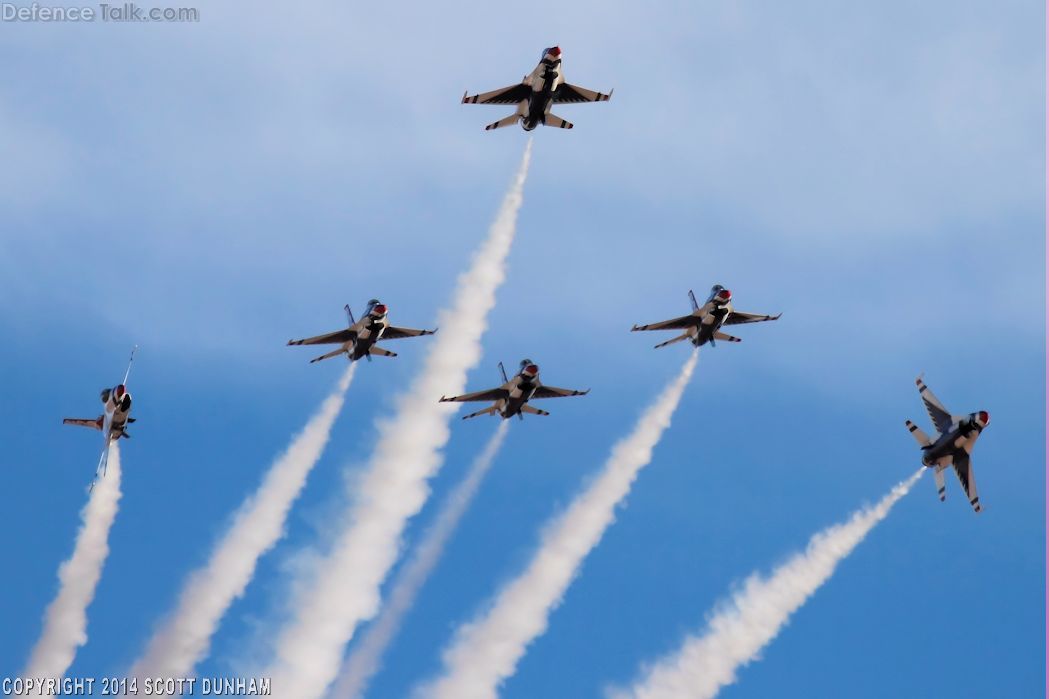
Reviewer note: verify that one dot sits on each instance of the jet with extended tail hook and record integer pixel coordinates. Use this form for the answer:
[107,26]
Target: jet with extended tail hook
[953,444]
[536,93]
[512,397]
[704,323]
[358,340]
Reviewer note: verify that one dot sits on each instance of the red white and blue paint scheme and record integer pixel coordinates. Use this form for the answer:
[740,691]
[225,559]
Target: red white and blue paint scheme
[113,422]
[512,397]
[952,445]
[358,340]
[536,94]
[704,323]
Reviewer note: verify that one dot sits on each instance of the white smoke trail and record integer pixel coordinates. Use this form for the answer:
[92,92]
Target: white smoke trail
[344,589]
[185,636]
[65,621]
[486,651]
[742,627]
[365,660]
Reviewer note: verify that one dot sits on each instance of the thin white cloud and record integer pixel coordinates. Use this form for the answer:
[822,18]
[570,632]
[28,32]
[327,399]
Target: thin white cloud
[65,622]
[486,651]
[184,637]
[344,589]
[743,626]
[366,658]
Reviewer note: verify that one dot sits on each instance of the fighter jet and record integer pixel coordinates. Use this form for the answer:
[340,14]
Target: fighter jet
[359,339]
[512,397]
[703,325]
[952,445]
[534,95]
[113,421]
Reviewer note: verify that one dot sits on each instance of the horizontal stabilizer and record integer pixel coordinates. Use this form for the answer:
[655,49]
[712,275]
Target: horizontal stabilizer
[329,355]
[919,436]
[508,121]
[381,351]
[679,338]
[526,408]
[486,411]
[725,337]
[557,122]
[941,487]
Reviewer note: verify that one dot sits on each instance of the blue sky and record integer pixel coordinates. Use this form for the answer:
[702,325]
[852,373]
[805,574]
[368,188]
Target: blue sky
[874,172]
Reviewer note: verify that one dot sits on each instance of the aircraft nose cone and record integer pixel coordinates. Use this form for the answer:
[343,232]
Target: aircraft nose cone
[380,309]
[555,51]
[532,369]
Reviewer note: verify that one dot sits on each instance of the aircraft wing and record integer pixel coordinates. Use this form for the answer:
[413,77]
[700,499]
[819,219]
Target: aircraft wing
[103,460]
[491,394]
[963,467]
[504,95]
[941,417]
[337,337]
[93,424]
[737,318]
[394,333]
[555,392]
[573,94]
[682,322]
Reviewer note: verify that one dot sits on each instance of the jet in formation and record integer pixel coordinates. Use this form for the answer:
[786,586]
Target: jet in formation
[512,397]
[113,422]
[358,340]
[536,93]
[704,323]
[952,445]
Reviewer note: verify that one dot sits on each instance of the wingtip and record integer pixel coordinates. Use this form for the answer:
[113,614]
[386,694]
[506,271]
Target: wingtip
[465,93]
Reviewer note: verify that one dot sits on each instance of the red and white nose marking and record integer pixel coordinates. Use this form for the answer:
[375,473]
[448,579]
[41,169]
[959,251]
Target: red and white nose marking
[555,51]
[724,295]
[120,391]
[531,370]
[380,309]
[984,418]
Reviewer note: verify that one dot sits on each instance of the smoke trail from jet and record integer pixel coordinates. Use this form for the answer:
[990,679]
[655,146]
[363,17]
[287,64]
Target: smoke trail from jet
[185,636]
[344,588]
[486,651]
[743,626]
[365,660]
[65,621]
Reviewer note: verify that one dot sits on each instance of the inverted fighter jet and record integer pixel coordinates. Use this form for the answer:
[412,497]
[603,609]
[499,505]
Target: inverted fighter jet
[536,93]
[512,397]
[113,422]
[704,323]
[952,445]
[359,339]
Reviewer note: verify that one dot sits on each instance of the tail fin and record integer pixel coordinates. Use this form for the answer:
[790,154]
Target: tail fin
[503,371]
[692,298]
[919,436]
[508,121]
[486,411]
[725,337]
[381,351]
[557,122]
[349,314]
[679,338]
[329,355]
[526,408]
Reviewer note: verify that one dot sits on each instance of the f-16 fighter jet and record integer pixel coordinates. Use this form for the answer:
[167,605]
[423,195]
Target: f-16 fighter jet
[512,397]
[359,339]
[703,325]
[952,445]
[114,419]
[534,95]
